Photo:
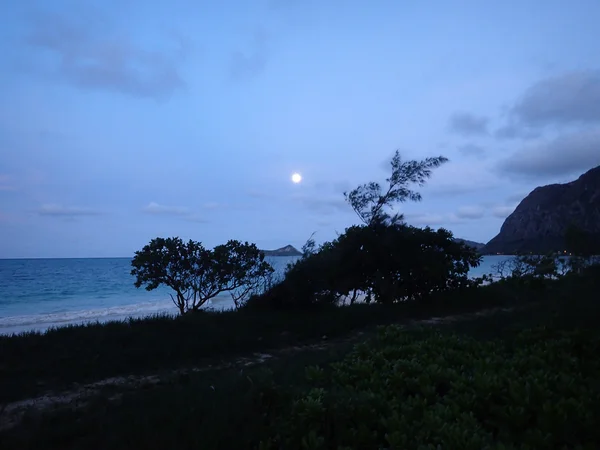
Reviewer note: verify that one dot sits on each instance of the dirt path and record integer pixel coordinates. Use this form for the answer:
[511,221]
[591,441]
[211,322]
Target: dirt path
[77,397]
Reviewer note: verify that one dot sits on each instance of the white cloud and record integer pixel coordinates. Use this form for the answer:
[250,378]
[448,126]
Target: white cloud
[155,208]
[186,214]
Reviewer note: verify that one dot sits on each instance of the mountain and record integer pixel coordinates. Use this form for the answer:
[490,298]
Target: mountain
[540,221]
[475,245]
[288,250]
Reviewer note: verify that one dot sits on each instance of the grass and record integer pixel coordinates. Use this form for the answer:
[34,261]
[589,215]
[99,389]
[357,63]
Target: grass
[240,409]
[33,363]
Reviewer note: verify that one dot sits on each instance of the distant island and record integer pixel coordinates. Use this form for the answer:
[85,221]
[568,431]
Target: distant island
[476,245]
[540,221]
[288,250]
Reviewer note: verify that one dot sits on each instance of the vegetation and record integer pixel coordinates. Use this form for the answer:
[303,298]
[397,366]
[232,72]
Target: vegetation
[535,367]
[197,274]
[430,389]
[373,205]
[381,263]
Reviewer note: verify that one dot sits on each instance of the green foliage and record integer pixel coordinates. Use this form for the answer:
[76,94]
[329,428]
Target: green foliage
[385,263]
[432,390]
[197,274]
[369,201]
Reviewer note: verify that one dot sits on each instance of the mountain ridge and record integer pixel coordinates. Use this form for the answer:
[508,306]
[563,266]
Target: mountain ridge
[540,221]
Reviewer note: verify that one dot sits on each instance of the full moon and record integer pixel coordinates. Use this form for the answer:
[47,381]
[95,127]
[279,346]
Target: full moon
[296,178]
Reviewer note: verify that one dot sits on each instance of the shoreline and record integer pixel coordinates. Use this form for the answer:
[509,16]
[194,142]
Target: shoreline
[41,323]
[73,316]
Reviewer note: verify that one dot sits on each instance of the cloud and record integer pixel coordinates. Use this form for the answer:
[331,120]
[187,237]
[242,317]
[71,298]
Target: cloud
[514,131]
[573,97]
[212,205]
[92,57]
[472,150]
[181,212]
[245,64]
[156,209]
[468,124]
[503,212]
[470,212]
[569,154]
[56,210]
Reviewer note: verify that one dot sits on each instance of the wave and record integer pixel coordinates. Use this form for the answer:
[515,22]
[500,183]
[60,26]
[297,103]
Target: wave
[40,322]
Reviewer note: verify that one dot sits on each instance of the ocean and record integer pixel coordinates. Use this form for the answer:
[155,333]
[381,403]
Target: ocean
[36,294]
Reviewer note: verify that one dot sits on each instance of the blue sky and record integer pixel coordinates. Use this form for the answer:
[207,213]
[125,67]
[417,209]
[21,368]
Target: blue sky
[123,121]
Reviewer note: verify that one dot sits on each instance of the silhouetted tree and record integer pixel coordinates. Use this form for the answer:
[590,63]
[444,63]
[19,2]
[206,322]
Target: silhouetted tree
[369,201]
[195,273]
[386,263]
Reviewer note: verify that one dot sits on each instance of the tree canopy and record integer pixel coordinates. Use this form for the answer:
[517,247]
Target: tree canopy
[197,274]
[372,204]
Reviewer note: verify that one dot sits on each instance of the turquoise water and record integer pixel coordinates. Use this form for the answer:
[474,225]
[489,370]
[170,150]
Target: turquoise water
[36,294]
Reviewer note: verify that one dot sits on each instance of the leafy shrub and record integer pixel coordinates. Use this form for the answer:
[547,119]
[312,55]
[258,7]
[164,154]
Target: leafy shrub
[385,263]
[432,390]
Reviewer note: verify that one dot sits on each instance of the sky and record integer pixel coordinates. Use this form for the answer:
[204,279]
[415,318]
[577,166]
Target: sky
[121,121]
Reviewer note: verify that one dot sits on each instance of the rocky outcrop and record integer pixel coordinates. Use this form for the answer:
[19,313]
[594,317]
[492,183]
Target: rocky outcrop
[288,250]
[540,221]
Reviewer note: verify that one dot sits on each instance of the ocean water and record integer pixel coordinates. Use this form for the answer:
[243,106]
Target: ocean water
[36,294]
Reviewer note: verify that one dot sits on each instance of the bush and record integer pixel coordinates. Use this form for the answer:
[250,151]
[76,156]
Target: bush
[429,390]
[386,263]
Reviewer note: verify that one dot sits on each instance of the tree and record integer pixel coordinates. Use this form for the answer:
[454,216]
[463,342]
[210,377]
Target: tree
[370,202]
[387,263]
[384,259]
[396,262]
[583,247]
[197,274]
[245,270]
